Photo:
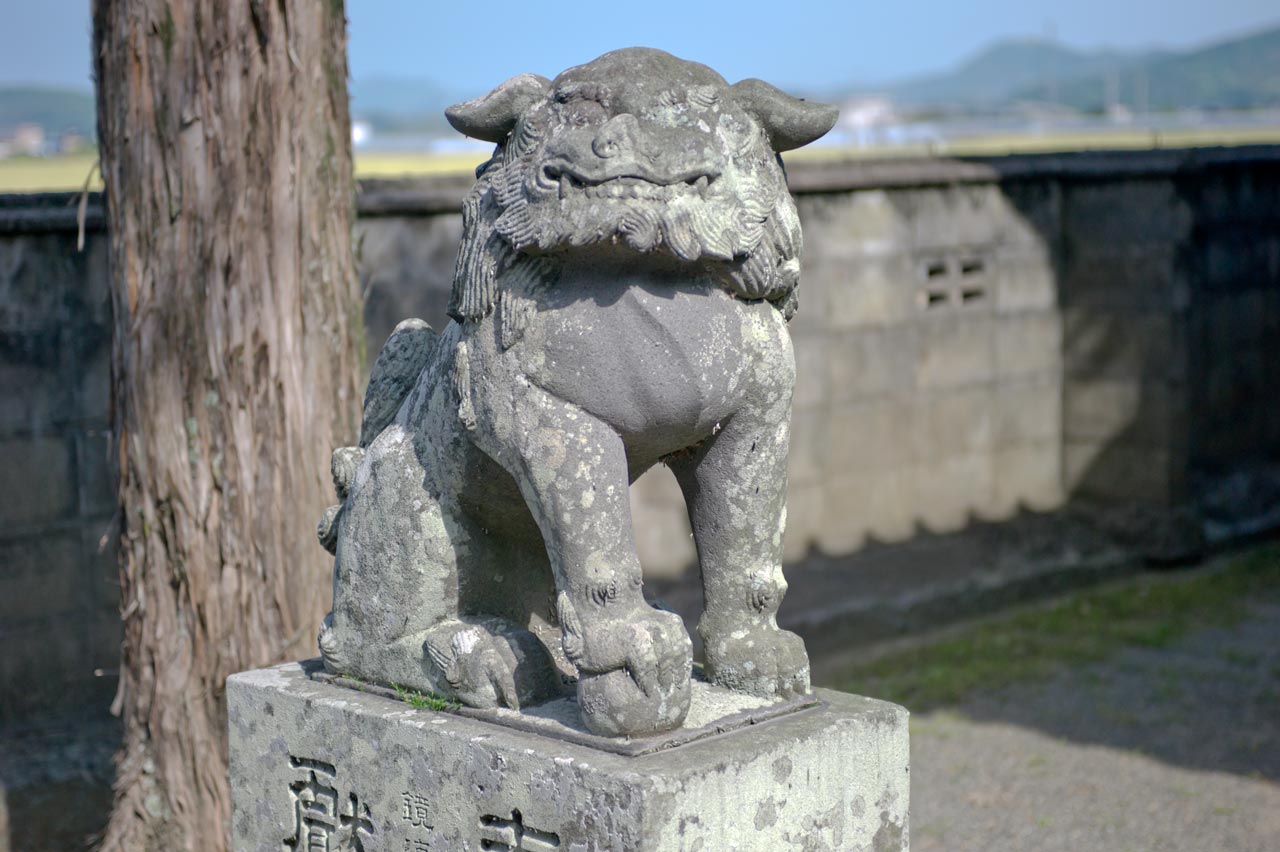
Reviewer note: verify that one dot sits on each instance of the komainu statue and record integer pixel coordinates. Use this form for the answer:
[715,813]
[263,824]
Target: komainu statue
[629,261]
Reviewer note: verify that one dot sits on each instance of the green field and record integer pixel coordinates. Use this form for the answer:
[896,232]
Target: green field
[63,173]
[49,174]
[1022,143]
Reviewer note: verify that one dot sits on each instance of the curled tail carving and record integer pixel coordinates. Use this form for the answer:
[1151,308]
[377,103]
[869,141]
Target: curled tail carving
[402,359]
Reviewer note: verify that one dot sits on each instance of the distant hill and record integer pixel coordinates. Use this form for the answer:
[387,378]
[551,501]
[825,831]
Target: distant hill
[1240,73]
[1006,68]
[54,109]
[397,104]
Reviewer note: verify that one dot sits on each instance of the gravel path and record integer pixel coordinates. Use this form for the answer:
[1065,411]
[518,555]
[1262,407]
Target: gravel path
[1173,749]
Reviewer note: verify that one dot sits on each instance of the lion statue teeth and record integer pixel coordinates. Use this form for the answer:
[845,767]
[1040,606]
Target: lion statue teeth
[630,257]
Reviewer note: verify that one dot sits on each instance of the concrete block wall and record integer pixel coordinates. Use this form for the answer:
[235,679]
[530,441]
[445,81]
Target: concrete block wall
[1233,325]
[406,270]
[928,346]
[1125,294]
[974,337]
[59,592]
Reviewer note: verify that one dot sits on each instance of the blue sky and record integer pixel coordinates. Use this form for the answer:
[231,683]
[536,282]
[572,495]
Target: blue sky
[797,43]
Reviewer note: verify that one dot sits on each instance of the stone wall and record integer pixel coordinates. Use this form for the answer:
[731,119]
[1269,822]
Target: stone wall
[975,339]
[1231,329]
[59,596]
[1125,288]
[929,347]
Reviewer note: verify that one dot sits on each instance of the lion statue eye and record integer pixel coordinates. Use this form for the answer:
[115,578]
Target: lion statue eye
[581,105]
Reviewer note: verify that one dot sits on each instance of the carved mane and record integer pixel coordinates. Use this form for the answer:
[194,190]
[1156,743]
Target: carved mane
[765,251]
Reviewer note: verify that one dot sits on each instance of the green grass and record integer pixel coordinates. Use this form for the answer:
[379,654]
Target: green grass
[68,172]
[1035,642]
[396,165]
[423,700]
[49,174]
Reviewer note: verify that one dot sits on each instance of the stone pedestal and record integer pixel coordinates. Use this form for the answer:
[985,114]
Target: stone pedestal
[323,767]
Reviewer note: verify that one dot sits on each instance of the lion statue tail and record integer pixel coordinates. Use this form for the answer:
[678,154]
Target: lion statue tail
[404,356]
[407,352]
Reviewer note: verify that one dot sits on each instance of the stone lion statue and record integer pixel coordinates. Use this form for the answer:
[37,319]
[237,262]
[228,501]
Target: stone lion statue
[629,261]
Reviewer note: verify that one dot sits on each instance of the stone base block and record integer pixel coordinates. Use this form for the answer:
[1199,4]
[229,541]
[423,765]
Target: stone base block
[321,767]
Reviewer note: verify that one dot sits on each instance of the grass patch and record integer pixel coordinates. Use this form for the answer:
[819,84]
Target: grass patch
[49,174]
[1240,658]
[1097,139]
[423,700]
[375,165]
[1150,611]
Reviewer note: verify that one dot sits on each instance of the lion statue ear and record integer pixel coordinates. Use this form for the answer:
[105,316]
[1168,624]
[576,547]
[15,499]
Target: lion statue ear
[788,122]
[492,116]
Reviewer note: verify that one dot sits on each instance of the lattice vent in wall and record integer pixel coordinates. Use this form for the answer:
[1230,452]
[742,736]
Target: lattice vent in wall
[954,279]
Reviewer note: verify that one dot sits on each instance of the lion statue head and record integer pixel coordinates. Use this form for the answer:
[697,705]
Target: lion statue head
[641,151]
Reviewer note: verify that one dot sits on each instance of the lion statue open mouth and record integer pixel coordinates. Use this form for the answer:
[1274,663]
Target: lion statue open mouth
[630,256]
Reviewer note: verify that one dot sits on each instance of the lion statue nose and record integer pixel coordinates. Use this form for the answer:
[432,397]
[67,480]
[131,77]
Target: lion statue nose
[619,135]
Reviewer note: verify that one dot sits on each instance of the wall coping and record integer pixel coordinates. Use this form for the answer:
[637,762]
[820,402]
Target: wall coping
[58,212]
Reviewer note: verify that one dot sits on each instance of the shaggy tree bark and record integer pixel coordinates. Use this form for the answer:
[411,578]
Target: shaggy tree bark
[236,361]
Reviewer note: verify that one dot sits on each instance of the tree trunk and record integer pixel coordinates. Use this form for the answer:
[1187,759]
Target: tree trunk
[235,368]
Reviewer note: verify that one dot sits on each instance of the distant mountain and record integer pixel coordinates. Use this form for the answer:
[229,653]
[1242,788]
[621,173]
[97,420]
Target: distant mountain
[401,104]
[1240,73]
[52,108]
[1006,68]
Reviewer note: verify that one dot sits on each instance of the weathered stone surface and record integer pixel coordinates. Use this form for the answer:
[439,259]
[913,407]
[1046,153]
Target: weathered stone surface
[855,292]
[868,362]
[955,350]
[1122,320]
[870,436]
[32,398]
[867,505]
[1124,411]
[1125,276]
[969,216]
[406,269]
[1029,344]
[1028,412]
[1026,476]
[1103,343]
[869,226]
[628,263]
[29,591]
[42,471]
[1025,280]
[952,423]
[1101,214]
[95,466]
[1114,470]
[310,759]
